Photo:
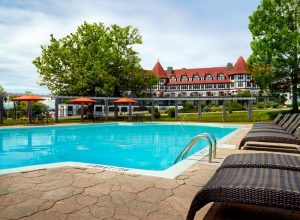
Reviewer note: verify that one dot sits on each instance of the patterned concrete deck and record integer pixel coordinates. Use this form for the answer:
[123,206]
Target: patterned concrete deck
[79,193]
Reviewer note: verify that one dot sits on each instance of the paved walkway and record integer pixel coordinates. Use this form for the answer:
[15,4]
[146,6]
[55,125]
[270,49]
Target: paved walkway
[79,193]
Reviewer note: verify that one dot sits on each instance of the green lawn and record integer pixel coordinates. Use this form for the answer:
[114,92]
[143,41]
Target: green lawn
[236,117]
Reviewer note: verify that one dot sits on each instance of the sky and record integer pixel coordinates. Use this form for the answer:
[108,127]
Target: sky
[180,33]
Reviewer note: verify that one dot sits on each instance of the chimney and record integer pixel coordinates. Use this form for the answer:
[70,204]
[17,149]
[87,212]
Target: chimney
[229,66]
[170,70]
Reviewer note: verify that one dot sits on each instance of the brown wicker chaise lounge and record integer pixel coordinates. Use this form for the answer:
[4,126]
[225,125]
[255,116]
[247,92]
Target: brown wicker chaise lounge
[274,122]
[262,160]
[275,187]
[274,147]
[288,127]
[271,137]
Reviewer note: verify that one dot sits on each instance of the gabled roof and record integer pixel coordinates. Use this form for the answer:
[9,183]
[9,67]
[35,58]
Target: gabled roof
[213,71]
[159,70]
[200,82]
[240,66]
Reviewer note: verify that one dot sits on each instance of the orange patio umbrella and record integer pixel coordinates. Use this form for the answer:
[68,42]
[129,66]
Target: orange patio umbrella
[82,100]
[29,98]
[125,101]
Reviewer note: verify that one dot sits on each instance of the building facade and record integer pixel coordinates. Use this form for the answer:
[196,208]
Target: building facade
[213,81]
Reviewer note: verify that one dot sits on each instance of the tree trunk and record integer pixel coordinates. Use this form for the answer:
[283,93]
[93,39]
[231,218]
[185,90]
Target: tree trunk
[294,97]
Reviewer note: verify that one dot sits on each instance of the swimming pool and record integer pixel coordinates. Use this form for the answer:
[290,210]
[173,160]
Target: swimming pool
[147,146]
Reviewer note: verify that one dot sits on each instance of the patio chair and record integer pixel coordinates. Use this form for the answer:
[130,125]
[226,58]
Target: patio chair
[274,122]
[288,127]
[279,123]
[272,137]
[274,147]
[256,186]
[262,160]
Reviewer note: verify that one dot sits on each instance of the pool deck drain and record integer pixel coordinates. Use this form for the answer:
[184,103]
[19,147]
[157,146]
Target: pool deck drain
[92,193]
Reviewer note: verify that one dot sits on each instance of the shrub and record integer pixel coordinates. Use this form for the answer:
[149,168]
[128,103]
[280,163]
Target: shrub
[259,105]
[267,105]
[275,105]
[171,112]
[289,105]
[156,112]
[207,108]
[234,106]
[188,108]
[216,108]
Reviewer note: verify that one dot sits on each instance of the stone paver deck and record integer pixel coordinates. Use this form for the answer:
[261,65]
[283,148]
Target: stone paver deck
[80,193]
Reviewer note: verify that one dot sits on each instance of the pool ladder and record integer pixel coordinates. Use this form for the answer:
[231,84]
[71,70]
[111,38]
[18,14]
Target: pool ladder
[212,146]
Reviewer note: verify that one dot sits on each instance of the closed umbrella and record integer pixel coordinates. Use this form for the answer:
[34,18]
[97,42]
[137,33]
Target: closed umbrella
[82,100]
[123,101]
[29,98]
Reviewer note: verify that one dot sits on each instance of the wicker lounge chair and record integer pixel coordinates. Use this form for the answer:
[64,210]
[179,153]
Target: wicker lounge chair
[288,127]
[272,137]
[262,160]
[274,122]
[274,147]
[257,186]
[280,123]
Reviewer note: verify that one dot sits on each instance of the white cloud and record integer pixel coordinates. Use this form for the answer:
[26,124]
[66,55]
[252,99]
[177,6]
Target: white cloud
[173,33]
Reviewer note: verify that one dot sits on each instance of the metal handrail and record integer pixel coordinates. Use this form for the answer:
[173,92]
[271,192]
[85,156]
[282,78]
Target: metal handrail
[214,144]
[188,147]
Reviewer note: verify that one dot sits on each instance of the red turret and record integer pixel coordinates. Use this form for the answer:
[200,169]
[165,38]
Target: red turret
[240,66]
[159,71]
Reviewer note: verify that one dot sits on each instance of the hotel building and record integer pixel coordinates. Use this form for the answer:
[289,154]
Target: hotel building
[212,81]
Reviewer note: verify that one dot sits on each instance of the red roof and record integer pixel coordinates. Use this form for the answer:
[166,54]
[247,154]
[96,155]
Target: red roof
[213,71]
[199,82]
[159,70]
[240,67]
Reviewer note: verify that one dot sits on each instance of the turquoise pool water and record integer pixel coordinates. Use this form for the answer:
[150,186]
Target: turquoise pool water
[140,145]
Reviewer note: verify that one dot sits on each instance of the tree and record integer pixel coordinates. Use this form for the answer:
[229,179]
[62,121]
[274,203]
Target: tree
[2,90]
[95,60]
[275,58]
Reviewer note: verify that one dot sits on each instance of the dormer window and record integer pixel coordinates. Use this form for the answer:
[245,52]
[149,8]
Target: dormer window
[221,76]
[196,78]
[184,78]
[172,79]
[208,77]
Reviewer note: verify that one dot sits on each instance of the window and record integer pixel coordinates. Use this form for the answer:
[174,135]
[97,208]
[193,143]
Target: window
[162,81]
[232,77]
[248,84]
[240,77]
[249,77]
[197,86]
[173,87]
[221,76]
[184,87]
[196,78]
[172,79]
[208,86]
[232,84]
[240,84]
[208,77]
[184,78]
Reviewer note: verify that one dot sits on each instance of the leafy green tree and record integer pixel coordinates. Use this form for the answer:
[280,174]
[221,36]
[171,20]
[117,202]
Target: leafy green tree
[275,27]
[2,90]
[95,60]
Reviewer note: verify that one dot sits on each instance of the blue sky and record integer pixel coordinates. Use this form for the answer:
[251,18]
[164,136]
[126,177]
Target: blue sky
[179,33]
